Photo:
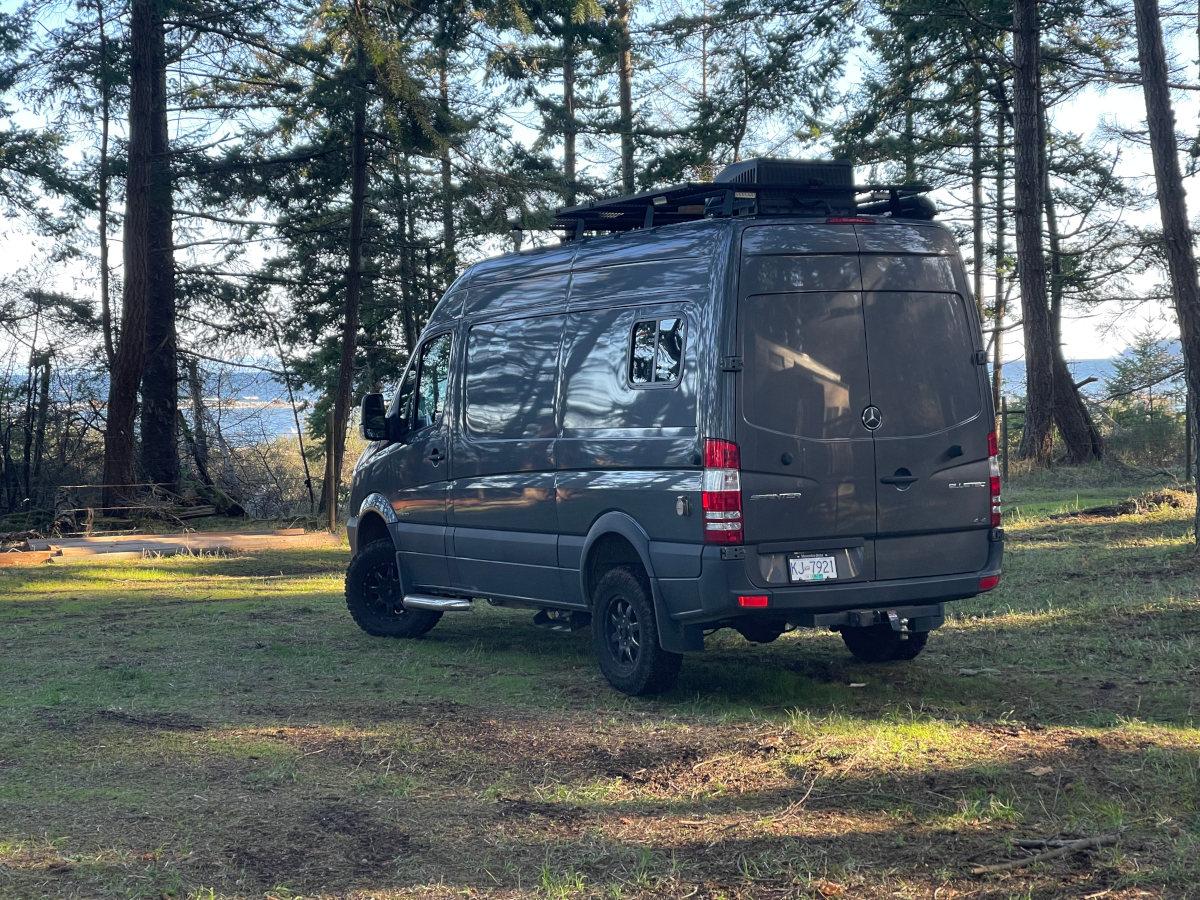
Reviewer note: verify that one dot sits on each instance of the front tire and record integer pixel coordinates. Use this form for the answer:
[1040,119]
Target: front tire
[879,643]
[374,595]
[625,636]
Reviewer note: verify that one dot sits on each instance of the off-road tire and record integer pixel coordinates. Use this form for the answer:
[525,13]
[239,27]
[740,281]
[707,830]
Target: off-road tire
[374,595]
[879,643]
[625,635]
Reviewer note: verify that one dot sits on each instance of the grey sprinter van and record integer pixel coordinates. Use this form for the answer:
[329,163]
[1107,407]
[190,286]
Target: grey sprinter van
[757,403]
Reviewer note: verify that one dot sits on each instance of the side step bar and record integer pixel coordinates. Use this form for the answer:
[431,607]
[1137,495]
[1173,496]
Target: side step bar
[436,604]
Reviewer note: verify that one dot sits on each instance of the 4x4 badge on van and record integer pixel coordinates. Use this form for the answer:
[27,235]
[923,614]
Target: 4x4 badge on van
[872,418]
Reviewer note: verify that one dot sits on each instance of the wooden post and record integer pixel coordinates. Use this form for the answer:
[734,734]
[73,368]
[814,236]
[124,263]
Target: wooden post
[1004,436]
[331,475]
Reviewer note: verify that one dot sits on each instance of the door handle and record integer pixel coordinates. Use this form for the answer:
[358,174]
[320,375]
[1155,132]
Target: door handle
[899,479]
[436,456]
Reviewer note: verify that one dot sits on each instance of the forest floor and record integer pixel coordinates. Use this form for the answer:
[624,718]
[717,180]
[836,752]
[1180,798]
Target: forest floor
[215,726]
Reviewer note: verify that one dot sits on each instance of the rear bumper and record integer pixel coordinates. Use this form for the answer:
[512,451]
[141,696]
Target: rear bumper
[712,600]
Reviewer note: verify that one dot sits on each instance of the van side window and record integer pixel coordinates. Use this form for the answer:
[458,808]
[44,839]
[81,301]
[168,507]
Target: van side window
[433,381]
[402,405]
[512,369]
[656,351]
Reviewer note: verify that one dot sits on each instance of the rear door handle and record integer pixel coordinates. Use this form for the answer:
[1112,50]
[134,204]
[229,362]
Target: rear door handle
[899,479]
[436,456]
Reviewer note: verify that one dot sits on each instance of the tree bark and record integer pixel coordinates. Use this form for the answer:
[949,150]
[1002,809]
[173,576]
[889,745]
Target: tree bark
[570,126]
[160,374]
[145,35]
[199,432]
[449,239]
[1079,433]
[625,85]
[354,267]
[102,187]
[998,287]
[1037,439]
[977,189]
[1177,235]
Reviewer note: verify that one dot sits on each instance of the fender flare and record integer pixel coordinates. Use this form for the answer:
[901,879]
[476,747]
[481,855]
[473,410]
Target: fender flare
[379,503]
[673,636]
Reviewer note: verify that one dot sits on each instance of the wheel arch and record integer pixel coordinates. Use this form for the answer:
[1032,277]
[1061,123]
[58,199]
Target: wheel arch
[615,538]
[374,516]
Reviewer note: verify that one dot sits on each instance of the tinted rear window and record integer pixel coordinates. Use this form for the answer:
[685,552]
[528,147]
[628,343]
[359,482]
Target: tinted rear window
[805,363]
[923,374]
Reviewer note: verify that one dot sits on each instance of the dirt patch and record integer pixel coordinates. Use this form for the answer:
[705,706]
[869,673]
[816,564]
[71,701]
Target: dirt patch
[331,843]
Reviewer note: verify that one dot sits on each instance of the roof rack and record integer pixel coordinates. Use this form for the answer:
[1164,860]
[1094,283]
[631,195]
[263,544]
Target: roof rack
[791,187]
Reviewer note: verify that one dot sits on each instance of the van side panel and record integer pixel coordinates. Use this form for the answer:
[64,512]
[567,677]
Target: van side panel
[627,446]
[502,507]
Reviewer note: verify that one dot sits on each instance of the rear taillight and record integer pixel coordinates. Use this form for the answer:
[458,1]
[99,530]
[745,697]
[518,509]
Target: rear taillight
[994,480]
[721,492]
[987,582]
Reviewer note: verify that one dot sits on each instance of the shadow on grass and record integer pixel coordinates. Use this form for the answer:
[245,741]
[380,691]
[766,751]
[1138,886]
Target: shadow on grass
[492,800]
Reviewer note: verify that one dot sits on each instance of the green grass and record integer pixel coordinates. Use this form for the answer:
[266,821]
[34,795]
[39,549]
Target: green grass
[216,727]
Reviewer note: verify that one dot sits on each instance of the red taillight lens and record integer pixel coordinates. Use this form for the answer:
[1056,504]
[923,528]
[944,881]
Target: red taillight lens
[753,601]
[721,454]
[721,492]
[994,481]
[987,582]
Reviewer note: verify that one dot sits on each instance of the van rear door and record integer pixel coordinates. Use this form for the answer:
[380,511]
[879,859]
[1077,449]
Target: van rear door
[808,465]
[931,441]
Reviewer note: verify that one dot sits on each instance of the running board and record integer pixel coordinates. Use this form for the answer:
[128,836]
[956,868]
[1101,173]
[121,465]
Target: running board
[436,604]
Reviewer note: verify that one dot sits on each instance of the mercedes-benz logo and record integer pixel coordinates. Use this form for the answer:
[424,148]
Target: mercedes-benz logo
[872,418]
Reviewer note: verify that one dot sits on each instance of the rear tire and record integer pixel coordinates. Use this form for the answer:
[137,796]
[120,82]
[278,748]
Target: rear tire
[625,636]
[879,643]
[374,595]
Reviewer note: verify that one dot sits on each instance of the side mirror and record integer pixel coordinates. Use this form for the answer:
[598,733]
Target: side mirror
[374,418]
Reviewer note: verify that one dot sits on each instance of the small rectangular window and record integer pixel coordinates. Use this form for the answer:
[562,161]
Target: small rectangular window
[656,351]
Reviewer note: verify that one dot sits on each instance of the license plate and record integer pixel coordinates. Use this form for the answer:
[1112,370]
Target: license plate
[812,568]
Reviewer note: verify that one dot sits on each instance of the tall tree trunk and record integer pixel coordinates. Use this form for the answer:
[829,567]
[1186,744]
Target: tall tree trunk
[909,149]
[1037,439]
[449,240]
[1079,433]
[102,187]
[408,317]
[625,84]
[977,189]
[160,374]
[570,126]
[199,432]
[354,267]
[999,299]
[1177,236]
[145,46]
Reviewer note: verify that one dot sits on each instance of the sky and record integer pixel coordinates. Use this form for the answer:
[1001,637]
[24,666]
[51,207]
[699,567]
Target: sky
[1099,332]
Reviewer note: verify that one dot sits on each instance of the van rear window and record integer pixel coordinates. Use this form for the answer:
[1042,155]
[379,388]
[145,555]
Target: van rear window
[923,374]
[805,363]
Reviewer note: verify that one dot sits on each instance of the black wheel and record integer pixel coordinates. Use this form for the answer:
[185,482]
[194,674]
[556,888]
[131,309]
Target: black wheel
[879,643]
[374,595]
[625,636]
